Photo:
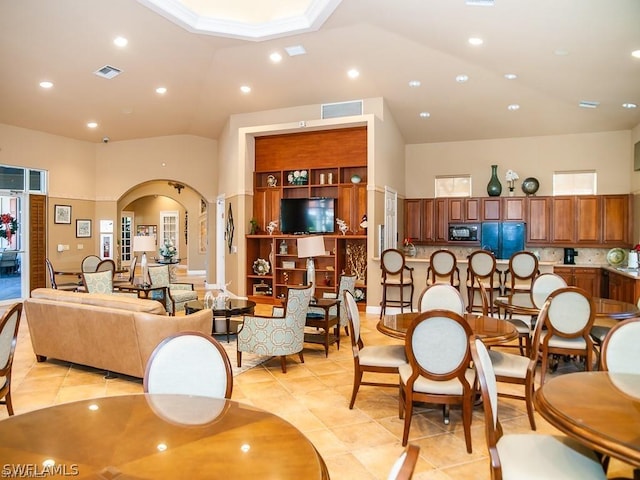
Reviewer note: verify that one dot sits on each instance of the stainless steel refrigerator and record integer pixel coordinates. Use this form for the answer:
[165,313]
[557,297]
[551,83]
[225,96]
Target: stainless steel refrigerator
[503,239]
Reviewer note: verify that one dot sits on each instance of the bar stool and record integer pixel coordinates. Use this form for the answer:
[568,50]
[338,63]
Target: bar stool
[482,268]
[395,274]
[443,268]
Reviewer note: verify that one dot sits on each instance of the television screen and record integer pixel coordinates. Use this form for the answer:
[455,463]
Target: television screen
[307,215]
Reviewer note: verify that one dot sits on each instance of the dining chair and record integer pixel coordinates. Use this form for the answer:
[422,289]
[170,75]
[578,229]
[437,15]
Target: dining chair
[98,282]
[90,263]
[277,335]
[177,294]
[69,286]
[106,265]
[543,285]
[372,358]
[481,267]
[132,273]
[522,270]
[437,349]
[568,321]
[443,268]
[189,363]
[441,296]
[620,351]
[9,324]
[396,274]
[405,465]
[527,456]
[599,333]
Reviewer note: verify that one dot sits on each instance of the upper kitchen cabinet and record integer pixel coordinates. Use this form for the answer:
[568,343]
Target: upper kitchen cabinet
[616,220]
[563,220]
[538,218]
[419,219]
[588,220]
[492,209]
[514,209]
[463,210]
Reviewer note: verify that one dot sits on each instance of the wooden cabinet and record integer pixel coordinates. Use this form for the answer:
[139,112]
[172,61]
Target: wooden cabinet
[587,278]
[463,210]
[563,220]
[538,218]
[491,209]
[616,220]
[514,209]
[441,220]
[419,219]
[623,288]
[588,220]
[266,206]
[352,205]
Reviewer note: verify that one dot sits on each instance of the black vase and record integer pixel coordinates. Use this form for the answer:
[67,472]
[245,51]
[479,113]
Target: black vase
[494,187]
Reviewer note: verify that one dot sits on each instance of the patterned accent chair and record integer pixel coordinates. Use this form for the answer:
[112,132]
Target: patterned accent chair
[282,334]
[177,293]
[347,283]
[98,282]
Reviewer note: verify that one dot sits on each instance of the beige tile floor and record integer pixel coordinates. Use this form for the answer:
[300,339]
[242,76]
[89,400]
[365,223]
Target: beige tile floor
[361,443]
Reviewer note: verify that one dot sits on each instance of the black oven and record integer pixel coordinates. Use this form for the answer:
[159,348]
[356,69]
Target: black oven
[464,232]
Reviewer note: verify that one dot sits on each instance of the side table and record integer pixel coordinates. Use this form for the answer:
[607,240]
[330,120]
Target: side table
[324,322]
[236,307]
[142,290]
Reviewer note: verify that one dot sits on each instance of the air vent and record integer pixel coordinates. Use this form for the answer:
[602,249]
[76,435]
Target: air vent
[481,3]
[341,109]
[587,104]
[108,72]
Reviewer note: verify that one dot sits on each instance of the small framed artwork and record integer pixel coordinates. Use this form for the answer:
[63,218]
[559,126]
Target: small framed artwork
[106,245]
[202,237]
[106,226]
[62,214]
[83,228]
[147,230]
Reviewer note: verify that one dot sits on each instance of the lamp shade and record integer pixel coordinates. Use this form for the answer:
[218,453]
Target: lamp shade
[144,243]
[310,246]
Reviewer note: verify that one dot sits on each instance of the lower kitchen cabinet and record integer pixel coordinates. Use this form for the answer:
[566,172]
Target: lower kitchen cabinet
[587,278]
[623,287]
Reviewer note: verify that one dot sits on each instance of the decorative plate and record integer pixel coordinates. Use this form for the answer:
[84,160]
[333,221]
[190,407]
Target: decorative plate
[616,256]
[530,185]
[261,266]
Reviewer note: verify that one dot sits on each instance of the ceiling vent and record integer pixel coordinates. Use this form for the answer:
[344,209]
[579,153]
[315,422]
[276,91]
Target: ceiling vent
[480,3]
[341,109]
[108,72]
[586,104]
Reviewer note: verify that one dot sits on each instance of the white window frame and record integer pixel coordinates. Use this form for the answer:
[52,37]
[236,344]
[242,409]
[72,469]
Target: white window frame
[575,182]
[452,186]
[169,219]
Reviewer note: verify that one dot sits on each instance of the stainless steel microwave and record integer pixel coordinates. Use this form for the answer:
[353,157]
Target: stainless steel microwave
[464,232]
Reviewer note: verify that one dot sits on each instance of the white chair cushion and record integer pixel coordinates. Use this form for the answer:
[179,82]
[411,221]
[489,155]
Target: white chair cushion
[508,364]
[532,457]
[424,385]
[396,281]
[383,356]
[561,342]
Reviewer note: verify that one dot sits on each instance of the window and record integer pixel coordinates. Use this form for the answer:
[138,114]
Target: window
[13,179]
[453,186]
[169,228]
[576,182]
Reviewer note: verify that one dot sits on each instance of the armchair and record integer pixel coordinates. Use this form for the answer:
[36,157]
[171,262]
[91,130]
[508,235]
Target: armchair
[177,294]
[347,283]
[277,335]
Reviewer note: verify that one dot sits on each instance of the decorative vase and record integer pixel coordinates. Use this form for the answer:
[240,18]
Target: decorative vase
[494,187]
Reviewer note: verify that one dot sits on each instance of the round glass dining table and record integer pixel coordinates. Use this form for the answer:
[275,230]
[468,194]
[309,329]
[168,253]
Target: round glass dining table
[156,436]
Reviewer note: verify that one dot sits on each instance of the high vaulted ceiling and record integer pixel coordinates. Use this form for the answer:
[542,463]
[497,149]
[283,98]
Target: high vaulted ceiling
[563,52]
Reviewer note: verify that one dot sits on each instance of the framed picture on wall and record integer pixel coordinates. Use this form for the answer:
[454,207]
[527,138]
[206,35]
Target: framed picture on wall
[62,214]
[202,237]
[83,228]
[147,230]
[106,245]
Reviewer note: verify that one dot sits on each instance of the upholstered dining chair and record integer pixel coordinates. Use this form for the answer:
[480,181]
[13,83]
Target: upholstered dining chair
[90,263]
[523,269]
[372,358]
[396,275]
[520,456]
[543,285]
[599,333]
[443,268]
[177,294]
[568,321]
[437,349]
[620,351]
[68,286]
[441,296]
[98,282]
[278,335]
[189,363]
[347,283]
[404,466]
[481,267]
[9,323]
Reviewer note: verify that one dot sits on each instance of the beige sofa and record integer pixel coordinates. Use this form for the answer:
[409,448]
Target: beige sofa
[109,332]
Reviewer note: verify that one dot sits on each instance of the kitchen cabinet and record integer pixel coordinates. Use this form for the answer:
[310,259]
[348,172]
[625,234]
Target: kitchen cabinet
[514,209]
[623,287]
[538,218]
[616,220]
[492,209]
[441,220]
[587,278]
[463,210]
[419,220]
[588,219]
[563,220]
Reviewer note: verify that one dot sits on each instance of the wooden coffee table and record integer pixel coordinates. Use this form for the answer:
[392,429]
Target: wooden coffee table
[236,308]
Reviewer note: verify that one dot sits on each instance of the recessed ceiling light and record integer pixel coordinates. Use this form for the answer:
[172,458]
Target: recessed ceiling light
[295,50]
[414,83]
[425,114]
[92,125]
[476,41]
[588,104]
[245,89]
[629,105]
[635,53]
[353,73]
[462,78]
[510,76]
[275,57]
[161,90]
[561,52]
[120,41]
[46,84]
[513,107]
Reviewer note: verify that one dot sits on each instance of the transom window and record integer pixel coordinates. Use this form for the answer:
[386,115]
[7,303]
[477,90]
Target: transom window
[575,182]
[453,186]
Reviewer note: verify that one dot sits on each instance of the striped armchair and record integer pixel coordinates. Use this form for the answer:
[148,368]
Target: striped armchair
[177,293]
[277,335]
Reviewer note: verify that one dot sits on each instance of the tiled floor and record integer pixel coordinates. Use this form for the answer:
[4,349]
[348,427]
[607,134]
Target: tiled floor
[361,443]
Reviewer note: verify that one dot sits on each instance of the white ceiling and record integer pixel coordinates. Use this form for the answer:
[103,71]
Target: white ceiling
[391,43]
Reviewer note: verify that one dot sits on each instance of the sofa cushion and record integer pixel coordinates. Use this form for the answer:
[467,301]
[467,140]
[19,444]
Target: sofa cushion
[101,299]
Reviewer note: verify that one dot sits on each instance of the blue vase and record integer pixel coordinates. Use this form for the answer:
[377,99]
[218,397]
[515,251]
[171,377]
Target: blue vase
[494,187]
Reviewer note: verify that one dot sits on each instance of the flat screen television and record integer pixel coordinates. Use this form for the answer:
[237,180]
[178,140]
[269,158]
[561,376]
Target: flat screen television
[307,215]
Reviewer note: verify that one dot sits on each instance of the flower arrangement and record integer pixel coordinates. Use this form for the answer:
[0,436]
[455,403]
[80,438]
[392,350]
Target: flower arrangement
[636,248]
[168,249]
[511,177]
[8,226]
[298,177]
[408,242]
[261,267]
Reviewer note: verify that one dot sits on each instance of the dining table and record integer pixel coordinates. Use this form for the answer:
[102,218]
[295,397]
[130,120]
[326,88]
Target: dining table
[492,331]
[599,409]
[156,436]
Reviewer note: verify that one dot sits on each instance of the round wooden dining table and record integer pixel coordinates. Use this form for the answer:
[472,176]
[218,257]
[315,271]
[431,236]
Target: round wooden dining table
[491,330]
[599,409]
[157,436]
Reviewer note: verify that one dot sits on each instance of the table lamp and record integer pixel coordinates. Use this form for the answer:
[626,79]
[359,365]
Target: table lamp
[310,247]
[144,243]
